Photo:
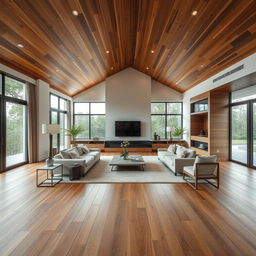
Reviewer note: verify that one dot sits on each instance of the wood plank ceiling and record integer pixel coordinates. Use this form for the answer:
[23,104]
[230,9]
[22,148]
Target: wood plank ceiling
[158,37]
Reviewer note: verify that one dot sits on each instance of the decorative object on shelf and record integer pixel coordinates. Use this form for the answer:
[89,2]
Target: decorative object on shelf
[155,136]
[202,132]
[50,129]
[158,137]
[96,138]
[202,146]
[125,152]
[178,132]
[73,132]
[169,131]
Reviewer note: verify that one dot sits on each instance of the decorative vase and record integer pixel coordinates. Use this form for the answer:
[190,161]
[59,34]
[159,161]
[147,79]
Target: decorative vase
[49,162]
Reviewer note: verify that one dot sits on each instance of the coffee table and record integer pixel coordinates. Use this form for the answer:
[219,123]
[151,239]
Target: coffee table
[133,160]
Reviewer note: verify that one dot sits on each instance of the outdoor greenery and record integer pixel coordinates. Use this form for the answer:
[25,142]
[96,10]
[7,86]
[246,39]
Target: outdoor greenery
[74,131]
[239,122]
[15,118]
[163,115]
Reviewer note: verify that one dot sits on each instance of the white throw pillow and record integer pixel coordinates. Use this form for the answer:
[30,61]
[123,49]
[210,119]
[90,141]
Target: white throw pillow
[172,148]
[191,153]
[181,153]
[80,150]
[65,154]
[74,155]
[85,149]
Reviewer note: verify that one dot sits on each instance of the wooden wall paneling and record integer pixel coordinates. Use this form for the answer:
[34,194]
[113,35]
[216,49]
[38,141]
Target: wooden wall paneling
[69,51]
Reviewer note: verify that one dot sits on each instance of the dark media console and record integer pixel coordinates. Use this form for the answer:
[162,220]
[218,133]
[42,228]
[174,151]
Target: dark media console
[133,143]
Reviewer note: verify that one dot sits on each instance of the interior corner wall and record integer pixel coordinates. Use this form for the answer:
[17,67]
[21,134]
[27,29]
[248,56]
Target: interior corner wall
[207,85]
[128,98]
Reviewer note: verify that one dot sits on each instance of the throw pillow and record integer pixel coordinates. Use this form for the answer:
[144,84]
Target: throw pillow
[205,159]
[85,149]
[181,153]
[74,155]
[58,156]
[191,153]
[172,148]
[80,150]
[65,155]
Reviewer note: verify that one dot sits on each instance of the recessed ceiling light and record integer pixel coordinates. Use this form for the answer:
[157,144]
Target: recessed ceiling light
[57,70]
[20,45]
[75,12]
[194,13]
[107,51]
[202,66]
[112,68]
[147,68]
[152,51]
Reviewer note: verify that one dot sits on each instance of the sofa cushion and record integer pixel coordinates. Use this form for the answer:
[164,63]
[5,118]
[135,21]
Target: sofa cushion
[172,148]
[85,149]
[189,169]
[190,153]
[205,159]
[58,156]
[74,155]
[65,154]
[181,152]
[80,150]
[89,159]
[93,153]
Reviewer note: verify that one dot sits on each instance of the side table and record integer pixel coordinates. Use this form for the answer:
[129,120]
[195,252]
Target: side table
[49,181]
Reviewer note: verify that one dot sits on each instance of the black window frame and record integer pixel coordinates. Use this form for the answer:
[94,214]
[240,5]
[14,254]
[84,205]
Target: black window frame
[166,115]
[58,110]
[3,100]
[249,118]
[90,115]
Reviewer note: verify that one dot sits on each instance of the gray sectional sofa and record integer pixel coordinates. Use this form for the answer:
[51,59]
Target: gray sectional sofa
[76,155]
[173,161]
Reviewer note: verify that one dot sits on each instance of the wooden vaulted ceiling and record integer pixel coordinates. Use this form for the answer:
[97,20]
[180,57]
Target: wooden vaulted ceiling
[71,52]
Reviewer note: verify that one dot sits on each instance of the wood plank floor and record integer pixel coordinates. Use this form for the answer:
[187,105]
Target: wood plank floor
[128,219]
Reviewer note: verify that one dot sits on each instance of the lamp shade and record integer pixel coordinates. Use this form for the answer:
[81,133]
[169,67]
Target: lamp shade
[50,128]
[168,129]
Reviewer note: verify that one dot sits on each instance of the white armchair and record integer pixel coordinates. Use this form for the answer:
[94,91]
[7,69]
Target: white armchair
[205,168]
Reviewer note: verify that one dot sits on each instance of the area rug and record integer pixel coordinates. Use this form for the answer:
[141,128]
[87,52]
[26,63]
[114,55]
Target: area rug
[154,172]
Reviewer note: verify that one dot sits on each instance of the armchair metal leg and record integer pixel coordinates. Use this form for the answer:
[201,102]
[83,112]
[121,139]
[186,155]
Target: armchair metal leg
[190,183]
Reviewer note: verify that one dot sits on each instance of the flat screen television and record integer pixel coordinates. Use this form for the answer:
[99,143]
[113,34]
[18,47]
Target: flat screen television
[127,128]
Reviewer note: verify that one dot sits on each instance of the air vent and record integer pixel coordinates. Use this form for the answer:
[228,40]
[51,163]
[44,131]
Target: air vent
[228,73]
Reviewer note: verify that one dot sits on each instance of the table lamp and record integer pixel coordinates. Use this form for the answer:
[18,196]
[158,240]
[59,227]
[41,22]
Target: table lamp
[50,129]
[169,130]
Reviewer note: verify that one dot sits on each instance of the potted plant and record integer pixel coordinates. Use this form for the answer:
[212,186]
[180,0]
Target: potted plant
[178,132]
[73,132]
[125,153]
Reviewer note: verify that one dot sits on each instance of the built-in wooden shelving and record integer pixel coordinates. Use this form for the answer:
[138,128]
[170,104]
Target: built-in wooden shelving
[213,120]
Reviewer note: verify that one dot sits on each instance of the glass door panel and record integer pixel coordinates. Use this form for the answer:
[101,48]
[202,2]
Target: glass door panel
[254,134]
[63,126]
[239,134]
[15,134]
[54,120]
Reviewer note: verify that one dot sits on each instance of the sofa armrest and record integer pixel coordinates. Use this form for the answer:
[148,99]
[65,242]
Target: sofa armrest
[181,162]
[95,149]
[69,162]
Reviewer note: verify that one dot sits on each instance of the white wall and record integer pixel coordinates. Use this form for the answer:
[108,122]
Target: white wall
[42,93]
[93,94]
[249,67]
[162,93]
[128,97]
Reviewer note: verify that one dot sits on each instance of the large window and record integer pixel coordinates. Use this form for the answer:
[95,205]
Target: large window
[58,115]
[13,125]
[243,126]
[90,116]
[163,115]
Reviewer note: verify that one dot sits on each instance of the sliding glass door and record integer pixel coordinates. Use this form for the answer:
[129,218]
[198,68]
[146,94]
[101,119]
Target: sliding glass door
[254,134]
[239,133]
[243,126]
[13,122]
[15,135]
